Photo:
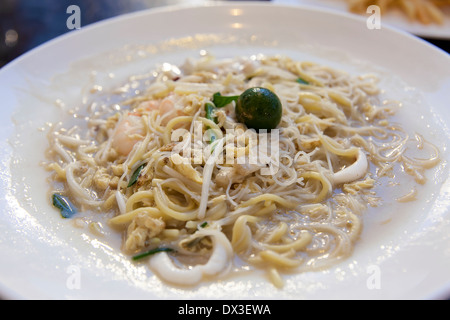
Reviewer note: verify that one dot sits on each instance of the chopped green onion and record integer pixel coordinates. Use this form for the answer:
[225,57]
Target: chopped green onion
[221,101]
[204,224]
[210,108]
[134,178]
[212,136]
[302,81]
[151,252]
[63,204]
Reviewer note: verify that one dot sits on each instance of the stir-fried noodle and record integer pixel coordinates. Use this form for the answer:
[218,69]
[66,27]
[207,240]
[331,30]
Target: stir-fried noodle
[196,190]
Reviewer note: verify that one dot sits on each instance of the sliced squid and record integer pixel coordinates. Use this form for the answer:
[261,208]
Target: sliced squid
[354,172]
[218,263]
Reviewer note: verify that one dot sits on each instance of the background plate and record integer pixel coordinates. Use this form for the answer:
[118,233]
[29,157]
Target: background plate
[394,18]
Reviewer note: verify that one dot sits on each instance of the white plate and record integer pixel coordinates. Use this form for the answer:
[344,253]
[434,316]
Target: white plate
[395,18]
[407,246]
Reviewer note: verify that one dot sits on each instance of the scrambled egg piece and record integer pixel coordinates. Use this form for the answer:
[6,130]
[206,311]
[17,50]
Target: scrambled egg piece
[141,230]
[185,169]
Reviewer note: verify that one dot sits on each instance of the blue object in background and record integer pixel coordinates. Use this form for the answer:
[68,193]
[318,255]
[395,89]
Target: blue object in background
[25,24]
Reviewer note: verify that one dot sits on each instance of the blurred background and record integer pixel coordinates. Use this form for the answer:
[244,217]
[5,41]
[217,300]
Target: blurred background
[25,24]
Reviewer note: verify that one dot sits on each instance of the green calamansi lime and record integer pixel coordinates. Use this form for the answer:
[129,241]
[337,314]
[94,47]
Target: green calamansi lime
[259,108]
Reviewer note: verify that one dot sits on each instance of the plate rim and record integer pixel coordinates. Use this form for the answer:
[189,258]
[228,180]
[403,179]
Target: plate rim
[215,4]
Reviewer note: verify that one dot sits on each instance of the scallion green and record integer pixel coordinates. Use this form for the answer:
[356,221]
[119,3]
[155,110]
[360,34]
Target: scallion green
[221,101]
[64,205]
[302,81]
[151,252]
[135,176]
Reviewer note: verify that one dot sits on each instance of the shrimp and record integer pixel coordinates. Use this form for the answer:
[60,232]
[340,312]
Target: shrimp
[166,108]
[130,130]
